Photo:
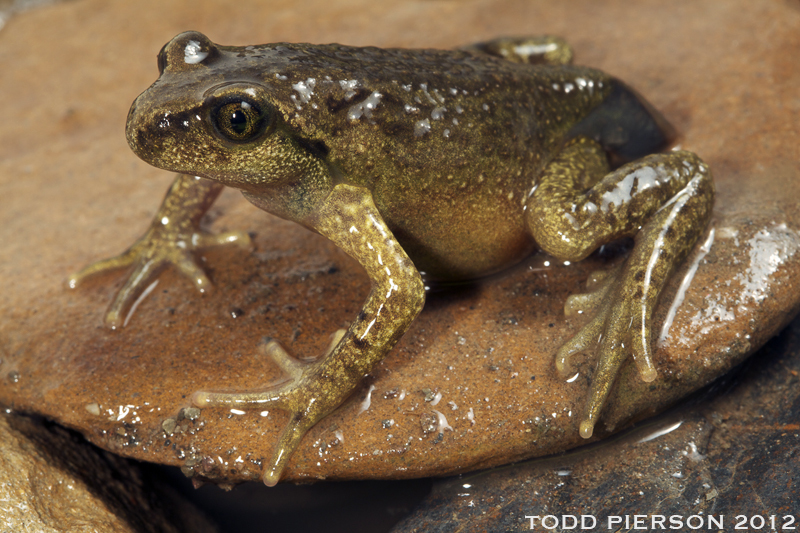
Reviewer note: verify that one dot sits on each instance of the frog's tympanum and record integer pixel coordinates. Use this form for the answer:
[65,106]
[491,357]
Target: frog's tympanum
[422,165]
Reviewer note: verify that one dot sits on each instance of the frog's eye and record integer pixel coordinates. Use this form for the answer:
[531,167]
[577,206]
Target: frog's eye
[239,121]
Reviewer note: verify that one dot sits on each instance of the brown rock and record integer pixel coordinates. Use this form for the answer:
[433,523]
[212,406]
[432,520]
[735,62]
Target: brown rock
[51,480]
[472,384]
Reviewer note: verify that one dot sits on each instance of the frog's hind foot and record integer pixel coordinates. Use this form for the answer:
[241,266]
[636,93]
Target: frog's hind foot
[292,395]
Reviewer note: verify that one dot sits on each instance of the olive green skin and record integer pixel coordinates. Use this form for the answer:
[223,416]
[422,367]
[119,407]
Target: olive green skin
[418,163]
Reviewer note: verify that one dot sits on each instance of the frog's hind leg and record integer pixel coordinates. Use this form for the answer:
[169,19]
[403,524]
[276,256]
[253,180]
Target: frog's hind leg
[664,201]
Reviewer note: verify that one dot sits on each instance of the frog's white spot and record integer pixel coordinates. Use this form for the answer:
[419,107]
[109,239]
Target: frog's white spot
[471,416]
[410,108]
[305,89]
[93,408]
[438,112]
[237,412]
[459,110]
[406,88]
[581,83]
[251,92]
[621,193]
[349,87]
[365,108]
[485,107]
[354,229]
[193,53]
[264,413]
[533,49]
[164,221]
[573,221]
[446,134]
[453,91]
[556,87]
[568,87]
[281,77]
[421,127]
[424,87]
[365,403]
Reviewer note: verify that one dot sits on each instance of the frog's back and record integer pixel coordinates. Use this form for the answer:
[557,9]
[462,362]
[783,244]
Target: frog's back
[448,142]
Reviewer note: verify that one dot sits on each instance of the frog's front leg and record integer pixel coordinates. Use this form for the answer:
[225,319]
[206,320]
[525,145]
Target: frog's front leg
[664,201]
[349,218]
[171,239]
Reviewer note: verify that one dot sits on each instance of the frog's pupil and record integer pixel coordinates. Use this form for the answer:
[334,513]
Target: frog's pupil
[239,121]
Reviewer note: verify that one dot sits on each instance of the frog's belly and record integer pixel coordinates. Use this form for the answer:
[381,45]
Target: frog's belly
[464,245]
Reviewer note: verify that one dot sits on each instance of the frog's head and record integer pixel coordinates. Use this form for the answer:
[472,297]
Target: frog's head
[210,114]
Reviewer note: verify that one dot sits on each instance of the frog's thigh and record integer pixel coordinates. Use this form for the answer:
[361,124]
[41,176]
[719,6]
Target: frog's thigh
[569,221]
[535,50]
[664,200]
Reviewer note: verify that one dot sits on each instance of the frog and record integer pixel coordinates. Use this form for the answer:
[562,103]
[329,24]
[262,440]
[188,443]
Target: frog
[426,166]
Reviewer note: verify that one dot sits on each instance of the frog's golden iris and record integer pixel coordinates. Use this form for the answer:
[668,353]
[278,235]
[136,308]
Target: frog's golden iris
[238,121]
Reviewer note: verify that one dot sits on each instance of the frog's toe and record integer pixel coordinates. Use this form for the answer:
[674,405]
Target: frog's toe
[295,430]
[133,287]
[580,342]
[190,269]
[104,265]
[207,240]
[287,397]
[598,286]
[618,331]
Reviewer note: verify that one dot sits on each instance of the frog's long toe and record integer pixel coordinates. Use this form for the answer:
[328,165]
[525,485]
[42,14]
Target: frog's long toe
[617,335]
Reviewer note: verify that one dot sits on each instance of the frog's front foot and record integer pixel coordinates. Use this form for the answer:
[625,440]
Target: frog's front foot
[149,256]
[172,239]
[306,395]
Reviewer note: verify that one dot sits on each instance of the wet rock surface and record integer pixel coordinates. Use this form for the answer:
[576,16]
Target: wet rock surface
[726,457]
[52,480]
[472,384]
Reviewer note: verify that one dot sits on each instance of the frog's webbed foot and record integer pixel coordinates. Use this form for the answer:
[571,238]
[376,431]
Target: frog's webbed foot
[298,395]
[171,239]
[616,333]
[664,201]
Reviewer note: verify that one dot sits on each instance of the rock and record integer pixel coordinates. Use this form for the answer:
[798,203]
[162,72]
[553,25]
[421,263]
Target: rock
[729,453]
[472,384]
[52,480]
